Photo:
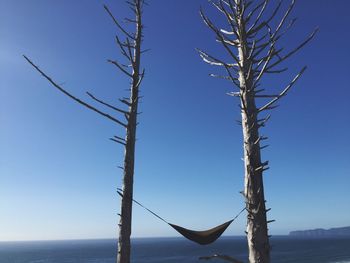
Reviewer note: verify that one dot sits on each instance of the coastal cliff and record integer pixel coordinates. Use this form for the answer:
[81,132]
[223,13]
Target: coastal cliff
[320,232]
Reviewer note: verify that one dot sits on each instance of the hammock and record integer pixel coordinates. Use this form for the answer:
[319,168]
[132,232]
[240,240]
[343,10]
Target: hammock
[200,237]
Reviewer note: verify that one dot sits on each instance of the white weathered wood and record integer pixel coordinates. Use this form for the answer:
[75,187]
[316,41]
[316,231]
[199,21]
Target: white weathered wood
[253,35]
[132,51]
[124,244]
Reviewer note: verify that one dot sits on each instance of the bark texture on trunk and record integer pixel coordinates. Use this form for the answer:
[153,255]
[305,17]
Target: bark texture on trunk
[125,223]
[249,39]
[257,232]
[131,50]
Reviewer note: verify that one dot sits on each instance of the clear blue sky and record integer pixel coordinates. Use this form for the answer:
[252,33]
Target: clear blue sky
[58,170]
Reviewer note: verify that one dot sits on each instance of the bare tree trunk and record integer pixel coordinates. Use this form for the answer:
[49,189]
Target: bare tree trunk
[250,42]
[131,50]
[124,244]
[257,232]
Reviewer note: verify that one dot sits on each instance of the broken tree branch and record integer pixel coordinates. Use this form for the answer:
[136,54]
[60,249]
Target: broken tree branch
[219,35]
[120,67]
[300,46]
[117,23]
[73,97]
[283,93]
[118,141]
[106,104]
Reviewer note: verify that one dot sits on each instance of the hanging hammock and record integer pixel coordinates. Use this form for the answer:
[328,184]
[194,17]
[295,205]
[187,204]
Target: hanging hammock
[200,237]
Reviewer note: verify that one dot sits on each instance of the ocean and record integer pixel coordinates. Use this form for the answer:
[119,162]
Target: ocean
[173,250]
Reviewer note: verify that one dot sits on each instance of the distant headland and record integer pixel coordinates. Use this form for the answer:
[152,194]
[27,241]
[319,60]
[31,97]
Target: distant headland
[320,232]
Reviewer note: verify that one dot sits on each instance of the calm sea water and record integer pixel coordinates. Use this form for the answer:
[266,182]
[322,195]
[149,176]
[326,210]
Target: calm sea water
[146,250]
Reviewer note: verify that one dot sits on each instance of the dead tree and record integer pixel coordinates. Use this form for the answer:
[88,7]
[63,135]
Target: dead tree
[250,42]
[131,49]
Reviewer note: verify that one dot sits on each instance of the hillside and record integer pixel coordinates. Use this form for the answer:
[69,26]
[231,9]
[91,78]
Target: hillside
[320,232]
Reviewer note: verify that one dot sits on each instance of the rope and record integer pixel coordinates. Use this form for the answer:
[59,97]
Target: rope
[244,208]
[159,217]
[150,211]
